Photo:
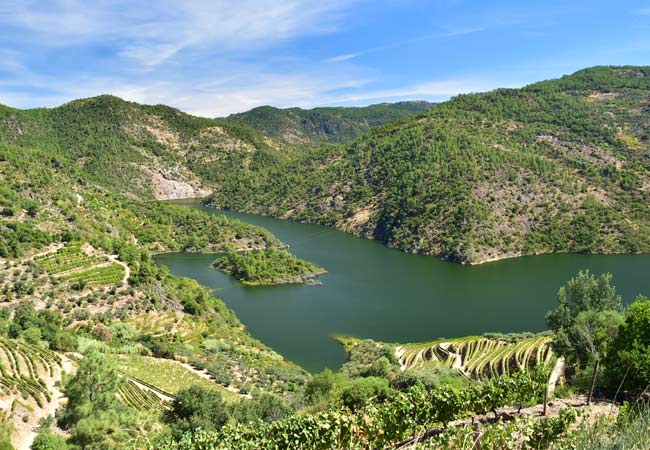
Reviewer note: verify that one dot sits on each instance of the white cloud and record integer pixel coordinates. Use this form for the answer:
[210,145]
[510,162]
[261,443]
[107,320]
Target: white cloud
[152,32]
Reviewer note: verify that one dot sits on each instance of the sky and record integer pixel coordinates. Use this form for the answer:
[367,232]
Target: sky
[216,57]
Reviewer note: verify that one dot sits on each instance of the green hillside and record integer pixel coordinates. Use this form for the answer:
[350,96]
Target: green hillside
[340,124]
[141,150]
[557,166]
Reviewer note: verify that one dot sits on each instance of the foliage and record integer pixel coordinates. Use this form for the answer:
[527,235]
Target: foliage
[91,391]
[628,358]
[197,408]
[325,124]
[267,266]
[372,426]
[574,334]
[49,441]
[359,391]
[265,407]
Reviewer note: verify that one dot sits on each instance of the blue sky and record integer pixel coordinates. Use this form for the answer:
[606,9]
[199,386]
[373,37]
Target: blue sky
[216,57]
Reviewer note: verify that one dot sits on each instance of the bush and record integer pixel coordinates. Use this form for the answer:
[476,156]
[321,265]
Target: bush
[357,392]
[197,407]
[49,441]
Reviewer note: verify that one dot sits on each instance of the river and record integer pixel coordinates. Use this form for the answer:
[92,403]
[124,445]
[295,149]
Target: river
[372,291]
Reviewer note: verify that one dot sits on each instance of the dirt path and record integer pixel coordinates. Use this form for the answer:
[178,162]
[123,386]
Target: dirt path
[23,439]
[127,270]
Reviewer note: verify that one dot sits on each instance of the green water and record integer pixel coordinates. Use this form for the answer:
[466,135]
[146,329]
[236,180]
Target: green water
[380,293]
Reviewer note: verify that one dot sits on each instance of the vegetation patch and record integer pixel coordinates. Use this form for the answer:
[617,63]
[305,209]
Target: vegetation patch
[267,266]
[166,375]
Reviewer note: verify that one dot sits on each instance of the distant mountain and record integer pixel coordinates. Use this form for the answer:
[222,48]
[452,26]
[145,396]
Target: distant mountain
[561,165]
[339,124]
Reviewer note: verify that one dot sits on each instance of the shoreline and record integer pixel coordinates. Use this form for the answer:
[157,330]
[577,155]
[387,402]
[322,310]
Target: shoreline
[467,263]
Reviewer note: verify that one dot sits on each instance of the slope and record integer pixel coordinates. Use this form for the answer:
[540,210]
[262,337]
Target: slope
[561,165]
[335,124]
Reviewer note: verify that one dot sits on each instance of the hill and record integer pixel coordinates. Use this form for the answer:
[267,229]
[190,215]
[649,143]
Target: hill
[296,125]
[141,150]
[561,165]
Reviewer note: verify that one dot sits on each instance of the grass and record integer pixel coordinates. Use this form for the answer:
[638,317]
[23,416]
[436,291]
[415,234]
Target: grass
[479,357]
[166,375]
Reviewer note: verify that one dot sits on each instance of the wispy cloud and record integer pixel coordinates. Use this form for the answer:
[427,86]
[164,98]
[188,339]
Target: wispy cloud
[406,42]
[152,32]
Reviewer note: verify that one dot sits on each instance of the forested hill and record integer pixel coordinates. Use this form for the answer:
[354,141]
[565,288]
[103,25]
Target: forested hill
[141,150]
[160,152]
[340,124]
[561,165]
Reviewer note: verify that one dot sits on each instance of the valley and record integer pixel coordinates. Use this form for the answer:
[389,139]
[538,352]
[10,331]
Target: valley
[315,278]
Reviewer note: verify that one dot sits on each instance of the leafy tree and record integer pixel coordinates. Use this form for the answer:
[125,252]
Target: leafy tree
[583,294]
[197,407]
[111,429]
[595,329]
[628,356]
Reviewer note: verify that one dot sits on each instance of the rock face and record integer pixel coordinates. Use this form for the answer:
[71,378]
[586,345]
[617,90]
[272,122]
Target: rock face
[167,188]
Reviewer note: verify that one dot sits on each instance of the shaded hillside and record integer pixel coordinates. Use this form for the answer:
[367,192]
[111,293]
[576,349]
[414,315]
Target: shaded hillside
[340,124]
[560,165]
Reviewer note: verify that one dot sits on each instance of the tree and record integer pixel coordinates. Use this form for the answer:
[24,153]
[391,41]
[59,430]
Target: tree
[49,441]
[266,407]
[109,429]
[581,294]
[91,391]
[594,330]
[628,355]
[197,407]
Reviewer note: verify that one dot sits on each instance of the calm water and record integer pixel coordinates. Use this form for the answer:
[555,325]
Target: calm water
[380,293]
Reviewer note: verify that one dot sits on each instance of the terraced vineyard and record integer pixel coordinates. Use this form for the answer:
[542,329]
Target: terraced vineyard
[98,276]
[22,367]
[76,266]
[165,376]
[144,397]
[479,357]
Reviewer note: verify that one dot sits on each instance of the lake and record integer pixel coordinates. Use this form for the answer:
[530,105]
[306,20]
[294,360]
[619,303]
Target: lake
[372,291]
